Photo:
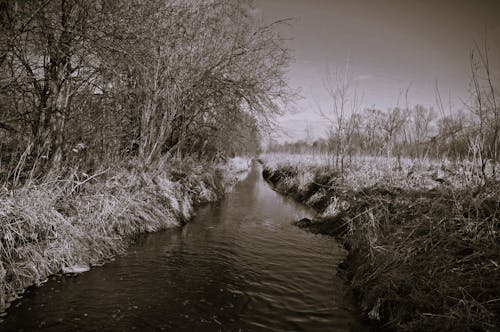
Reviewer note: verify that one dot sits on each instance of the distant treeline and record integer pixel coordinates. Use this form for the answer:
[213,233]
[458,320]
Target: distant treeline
[471,134]
[94,81]
[416,132]
[412,132]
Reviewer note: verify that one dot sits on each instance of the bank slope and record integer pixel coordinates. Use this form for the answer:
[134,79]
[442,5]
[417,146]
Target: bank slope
[420,258]
[68,224]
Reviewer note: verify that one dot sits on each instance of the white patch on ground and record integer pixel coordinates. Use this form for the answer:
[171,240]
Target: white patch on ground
[77,268]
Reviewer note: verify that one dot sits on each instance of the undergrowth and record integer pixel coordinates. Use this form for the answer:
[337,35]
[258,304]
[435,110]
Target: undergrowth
[69,220]
[421,258]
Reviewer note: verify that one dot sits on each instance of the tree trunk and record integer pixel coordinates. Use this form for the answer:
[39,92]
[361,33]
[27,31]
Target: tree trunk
[58,110]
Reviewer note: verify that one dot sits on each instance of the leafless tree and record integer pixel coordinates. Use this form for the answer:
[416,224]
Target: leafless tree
[345,102]
[152,78]
[484,105]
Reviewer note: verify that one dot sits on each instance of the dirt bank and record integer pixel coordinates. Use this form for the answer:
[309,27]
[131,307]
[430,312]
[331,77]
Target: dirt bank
[419,259]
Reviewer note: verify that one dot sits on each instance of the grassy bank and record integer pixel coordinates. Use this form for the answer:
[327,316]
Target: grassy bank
[423,237]
[75,222]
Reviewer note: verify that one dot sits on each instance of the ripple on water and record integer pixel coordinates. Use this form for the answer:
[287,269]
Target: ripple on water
[239,265]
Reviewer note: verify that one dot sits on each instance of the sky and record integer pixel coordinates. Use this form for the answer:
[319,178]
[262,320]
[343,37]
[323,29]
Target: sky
[389,46]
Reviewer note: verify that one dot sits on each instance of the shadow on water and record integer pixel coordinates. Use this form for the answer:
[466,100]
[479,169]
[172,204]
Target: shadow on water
[238,266]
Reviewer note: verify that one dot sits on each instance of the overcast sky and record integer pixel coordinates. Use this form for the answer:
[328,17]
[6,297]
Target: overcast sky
[390,45]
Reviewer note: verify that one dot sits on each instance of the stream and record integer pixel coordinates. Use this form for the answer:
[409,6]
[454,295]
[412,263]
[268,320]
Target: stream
[238,265]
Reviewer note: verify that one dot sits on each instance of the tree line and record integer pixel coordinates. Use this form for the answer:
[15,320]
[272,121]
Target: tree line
[93,81]
[471,133]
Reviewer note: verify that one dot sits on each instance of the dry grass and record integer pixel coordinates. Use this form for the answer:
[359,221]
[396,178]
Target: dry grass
[238,164]
[363,171]
[68,221]
[424,254]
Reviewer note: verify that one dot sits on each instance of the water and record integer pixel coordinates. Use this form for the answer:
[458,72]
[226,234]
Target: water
[238,266]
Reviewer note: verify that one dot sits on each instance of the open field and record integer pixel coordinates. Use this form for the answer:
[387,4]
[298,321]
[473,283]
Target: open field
[71,224]
[423,236]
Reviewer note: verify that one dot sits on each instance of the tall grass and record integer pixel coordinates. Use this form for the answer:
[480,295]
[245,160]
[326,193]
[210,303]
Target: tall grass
[63,222]
[423,236]
[399,171]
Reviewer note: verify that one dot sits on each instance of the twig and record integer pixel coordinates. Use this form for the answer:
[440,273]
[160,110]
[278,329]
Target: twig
[87,180]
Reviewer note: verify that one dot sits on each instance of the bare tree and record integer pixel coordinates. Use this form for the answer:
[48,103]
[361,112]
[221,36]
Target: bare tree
[146,78]
[395,120]
[207,59]
[48,60]
[344,103]
[485,107]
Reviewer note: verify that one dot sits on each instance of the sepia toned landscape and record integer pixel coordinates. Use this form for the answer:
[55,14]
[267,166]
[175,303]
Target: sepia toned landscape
[223,165]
